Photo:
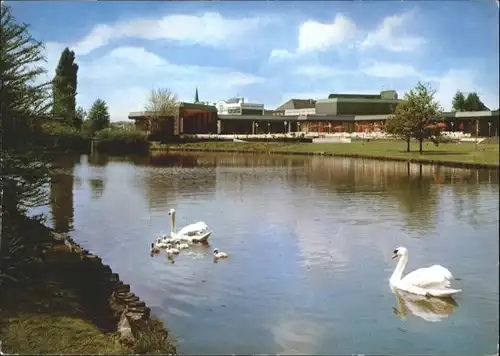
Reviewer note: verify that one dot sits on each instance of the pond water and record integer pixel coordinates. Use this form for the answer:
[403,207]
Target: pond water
[310,241]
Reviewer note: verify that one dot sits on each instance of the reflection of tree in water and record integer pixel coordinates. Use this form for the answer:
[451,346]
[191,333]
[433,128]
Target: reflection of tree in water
[410,184]
[61,193]
[97,187]
[174,175]
[98,160]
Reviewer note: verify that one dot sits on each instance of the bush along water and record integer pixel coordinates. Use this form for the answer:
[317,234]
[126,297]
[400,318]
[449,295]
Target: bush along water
[121,141]
[57,136]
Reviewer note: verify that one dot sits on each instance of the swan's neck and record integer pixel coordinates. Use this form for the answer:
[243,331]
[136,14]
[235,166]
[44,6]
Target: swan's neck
[398,272]
[172,224]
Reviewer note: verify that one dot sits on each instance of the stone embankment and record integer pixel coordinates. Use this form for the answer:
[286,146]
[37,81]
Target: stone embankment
[133,313]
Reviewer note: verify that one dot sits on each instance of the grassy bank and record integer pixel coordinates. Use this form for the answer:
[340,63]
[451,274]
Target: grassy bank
[451,153]
[60,306]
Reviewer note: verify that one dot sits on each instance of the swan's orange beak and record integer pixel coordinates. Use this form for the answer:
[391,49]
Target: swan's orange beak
[394,256]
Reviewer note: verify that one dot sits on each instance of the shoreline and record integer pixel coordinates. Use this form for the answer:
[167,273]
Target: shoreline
[426,161]
[70,290]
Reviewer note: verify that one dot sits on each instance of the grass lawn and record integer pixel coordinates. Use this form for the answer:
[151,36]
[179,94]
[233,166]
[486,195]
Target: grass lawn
[445,152]
[61,307]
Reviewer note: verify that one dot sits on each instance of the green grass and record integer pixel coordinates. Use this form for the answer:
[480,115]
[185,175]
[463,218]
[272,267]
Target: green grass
[63,305]
[486,154]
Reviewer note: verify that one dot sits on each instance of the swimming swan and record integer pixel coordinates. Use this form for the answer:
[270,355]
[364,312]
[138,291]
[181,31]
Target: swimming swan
[197,232]
[218,254]
[431,281]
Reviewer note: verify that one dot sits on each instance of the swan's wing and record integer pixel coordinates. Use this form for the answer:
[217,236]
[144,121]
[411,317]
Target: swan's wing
[193,229]
[434,276]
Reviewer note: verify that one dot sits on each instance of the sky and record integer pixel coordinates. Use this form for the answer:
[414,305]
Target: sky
[269,51]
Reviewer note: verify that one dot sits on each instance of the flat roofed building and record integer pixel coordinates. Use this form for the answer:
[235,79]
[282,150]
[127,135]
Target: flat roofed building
[358,104]
[189,118]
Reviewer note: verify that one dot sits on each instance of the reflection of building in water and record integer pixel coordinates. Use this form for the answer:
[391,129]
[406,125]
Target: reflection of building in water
[61,193]
[173,176]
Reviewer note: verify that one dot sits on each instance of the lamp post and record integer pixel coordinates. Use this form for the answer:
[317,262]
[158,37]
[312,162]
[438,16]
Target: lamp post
[489,128]
[256,127]
[286,125]
[477,132]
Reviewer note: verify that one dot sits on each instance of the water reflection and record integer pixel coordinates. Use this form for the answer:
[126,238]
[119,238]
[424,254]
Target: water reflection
[428,308]
[61,193]
[166,176]
[310,240]
[97,187]
[98,160]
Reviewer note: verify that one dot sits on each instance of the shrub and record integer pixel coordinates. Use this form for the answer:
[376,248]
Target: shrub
[58,136]
[121,141]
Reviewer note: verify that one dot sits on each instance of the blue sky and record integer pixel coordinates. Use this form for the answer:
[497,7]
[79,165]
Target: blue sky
[269,52]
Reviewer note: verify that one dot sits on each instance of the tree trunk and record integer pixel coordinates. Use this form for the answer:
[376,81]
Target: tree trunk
[407,145]
[420,146]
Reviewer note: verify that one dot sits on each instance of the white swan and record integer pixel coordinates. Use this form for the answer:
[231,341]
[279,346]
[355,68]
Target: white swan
[431,309]
[218,254]
[431,281]
[197,232]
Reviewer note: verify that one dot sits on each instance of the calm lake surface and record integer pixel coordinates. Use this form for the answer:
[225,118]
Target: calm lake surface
[310,241]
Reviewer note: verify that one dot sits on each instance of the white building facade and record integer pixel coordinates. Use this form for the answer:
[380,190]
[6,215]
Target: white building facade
[238,106]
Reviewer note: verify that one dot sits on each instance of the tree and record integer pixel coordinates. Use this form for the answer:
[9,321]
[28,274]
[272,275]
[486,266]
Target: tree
[399,125]
[80,116]
[25,104]
[98,116]
[64,88]
[161,103]
[473,103]
[416,116]
[470,103]
[458,103]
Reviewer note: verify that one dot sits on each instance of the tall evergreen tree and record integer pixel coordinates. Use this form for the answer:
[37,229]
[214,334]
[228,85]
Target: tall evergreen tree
[64,88]
[98,116]
[458,103]
[24,105]
[474,103]
[196,98]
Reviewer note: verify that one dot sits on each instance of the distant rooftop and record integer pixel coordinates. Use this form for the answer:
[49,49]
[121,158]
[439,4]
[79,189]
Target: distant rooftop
[385,94]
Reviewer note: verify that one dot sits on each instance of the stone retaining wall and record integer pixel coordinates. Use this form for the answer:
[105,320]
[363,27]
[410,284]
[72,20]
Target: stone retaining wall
[134,314]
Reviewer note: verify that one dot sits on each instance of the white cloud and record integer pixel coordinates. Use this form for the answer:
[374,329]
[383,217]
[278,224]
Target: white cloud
[321,71]
[210,29]
[391,35]
[280,54]
[125,76]
[464,80]
[317,36]
[445,84]
[390,70]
